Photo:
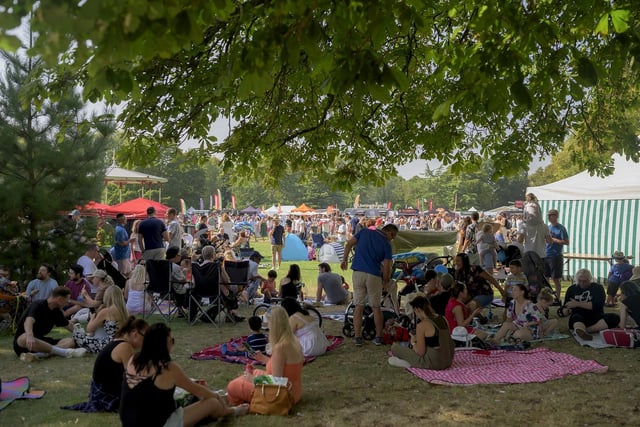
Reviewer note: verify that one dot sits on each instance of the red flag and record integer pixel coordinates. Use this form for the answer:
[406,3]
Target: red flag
[388,205]
[233,201]
[215,201]
[430,205]
[219,205]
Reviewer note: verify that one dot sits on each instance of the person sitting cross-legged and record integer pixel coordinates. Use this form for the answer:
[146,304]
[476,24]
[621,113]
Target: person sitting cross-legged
[584,302]
[150,380]
[432,346]
[31,340]
[106,382]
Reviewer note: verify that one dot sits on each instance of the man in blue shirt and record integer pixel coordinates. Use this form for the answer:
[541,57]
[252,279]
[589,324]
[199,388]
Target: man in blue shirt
[122,247]
[154,233]
[554,261]
[372,265]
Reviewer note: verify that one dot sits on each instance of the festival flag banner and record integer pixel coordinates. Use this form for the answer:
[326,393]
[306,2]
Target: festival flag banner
[183,207]
[215,201]
[233,201]
[201,204]
[219,206]
[210,202]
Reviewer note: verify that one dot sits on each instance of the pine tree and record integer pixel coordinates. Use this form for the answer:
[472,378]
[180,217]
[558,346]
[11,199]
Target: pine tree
[52,160]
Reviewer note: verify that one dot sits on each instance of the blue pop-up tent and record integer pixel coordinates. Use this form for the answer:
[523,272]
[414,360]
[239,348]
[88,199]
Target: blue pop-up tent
[294,249]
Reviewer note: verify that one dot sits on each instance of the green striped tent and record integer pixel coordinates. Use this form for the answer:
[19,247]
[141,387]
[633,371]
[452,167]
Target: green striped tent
[600,214]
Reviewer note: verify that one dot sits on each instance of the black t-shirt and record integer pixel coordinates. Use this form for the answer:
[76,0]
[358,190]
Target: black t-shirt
[45,319]
[278,234]
[594,294]
[439,302]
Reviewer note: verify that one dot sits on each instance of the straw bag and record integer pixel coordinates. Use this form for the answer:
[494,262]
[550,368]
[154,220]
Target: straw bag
[271,399]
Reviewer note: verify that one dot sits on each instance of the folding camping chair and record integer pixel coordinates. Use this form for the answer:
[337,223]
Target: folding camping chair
[245,253]
[160,289]
[238,272]
[205,297]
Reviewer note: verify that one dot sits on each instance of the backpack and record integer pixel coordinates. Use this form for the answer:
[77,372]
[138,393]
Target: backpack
[624,338]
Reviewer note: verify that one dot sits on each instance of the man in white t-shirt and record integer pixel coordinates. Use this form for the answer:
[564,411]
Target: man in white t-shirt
[87,261]
[174,228]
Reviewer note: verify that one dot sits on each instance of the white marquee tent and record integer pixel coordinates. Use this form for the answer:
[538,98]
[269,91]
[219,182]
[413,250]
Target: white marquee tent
[600,214]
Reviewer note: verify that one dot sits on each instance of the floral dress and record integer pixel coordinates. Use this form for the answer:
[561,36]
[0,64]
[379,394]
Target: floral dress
[96,342]
[530,313]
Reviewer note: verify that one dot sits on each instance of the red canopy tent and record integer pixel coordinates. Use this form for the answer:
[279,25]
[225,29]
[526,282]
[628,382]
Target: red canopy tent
[137,208]
[94,208]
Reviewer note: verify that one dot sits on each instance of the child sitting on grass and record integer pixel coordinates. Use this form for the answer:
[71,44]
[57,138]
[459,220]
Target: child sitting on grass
[515,277]
[268,287]
[546,297]
[257,340]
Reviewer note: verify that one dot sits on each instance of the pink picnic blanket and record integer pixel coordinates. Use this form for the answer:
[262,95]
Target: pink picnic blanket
[508,367]
[215,352]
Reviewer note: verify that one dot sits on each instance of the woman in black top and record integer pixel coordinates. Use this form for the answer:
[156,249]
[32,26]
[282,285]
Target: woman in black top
[432,346]
[106,383]
[150,381]
[629,303]
[289,283]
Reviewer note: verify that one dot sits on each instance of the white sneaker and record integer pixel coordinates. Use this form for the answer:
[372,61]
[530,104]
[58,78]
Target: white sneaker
[76,352]
[398,363]
[27,357]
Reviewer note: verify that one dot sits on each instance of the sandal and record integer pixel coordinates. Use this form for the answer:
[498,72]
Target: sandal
[240,410]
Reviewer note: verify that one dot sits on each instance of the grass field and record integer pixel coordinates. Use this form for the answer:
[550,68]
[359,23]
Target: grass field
[354,386]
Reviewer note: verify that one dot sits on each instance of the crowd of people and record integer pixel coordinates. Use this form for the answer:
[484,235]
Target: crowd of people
[135,375]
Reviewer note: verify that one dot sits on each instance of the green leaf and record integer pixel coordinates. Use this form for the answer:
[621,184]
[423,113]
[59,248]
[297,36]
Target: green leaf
[402,81]
[520,93]
[620,19]
[603,25]
[9,43]
[442,111]
[9,20]
[587,72]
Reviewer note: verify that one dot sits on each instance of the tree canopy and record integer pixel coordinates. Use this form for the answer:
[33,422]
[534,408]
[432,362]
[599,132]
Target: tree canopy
[348,89]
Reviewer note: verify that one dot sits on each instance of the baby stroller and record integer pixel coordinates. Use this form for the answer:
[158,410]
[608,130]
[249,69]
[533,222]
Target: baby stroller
[389,314]
[533,268]
[412,267]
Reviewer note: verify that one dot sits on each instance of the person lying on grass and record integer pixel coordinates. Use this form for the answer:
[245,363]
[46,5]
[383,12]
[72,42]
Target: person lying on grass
[150,380]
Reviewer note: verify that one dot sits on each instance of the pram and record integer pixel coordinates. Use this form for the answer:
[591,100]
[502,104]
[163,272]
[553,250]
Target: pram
[412,266]
[368,323]
[533,268]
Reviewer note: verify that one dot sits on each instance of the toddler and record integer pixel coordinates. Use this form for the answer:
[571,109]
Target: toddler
[546,298]
[268,287]
[515,277]
[487,247]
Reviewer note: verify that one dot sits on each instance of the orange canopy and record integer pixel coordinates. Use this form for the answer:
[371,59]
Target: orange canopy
[302,209]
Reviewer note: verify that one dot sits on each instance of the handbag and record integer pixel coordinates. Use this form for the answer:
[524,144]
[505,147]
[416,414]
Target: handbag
[271,399]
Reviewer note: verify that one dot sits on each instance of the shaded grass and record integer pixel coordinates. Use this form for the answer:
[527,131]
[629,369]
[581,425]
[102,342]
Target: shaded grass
[354,387]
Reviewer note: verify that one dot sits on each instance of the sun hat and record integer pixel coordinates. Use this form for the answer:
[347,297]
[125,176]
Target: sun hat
[618,255]
[101,274]
[635,273]
[460,334]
